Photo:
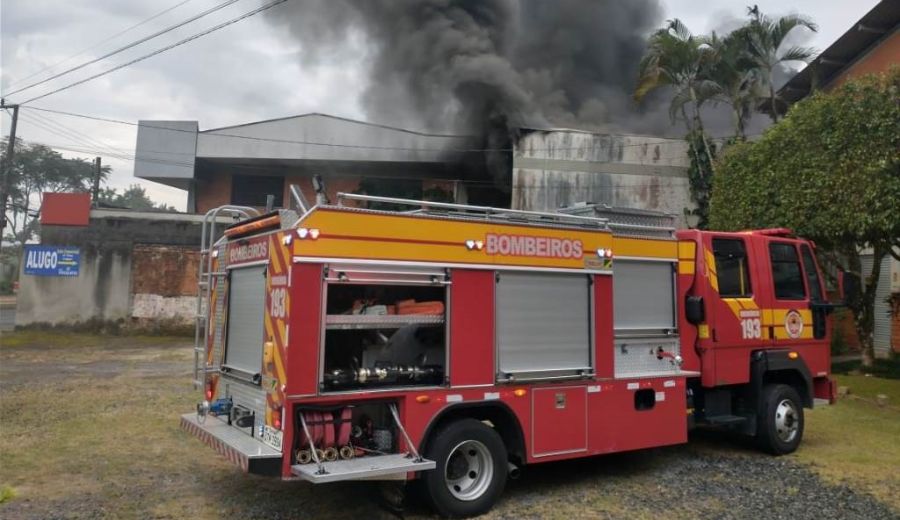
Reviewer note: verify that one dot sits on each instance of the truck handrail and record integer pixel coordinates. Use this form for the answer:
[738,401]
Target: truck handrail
[484,211]
[299,199]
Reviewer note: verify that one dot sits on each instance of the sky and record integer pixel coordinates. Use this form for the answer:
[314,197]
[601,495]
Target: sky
[245,72]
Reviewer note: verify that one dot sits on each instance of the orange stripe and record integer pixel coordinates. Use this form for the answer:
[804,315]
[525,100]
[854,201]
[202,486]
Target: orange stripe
[274,259]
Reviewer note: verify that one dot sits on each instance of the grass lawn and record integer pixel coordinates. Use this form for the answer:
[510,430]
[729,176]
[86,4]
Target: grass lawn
[855,441]
[89,428]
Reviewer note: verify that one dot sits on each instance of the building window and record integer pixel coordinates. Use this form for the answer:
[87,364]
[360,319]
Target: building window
[786,273]
[731,267]
[252,190]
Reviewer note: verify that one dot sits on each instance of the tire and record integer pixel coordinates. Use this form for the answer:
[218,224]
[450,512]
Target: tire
[780,420]
[470,471]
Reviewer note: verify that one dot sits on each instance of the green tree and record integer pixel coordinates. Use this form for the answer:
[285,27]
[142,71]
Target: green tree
[732,72]
[134,197]
[765,47]
[830,170]
[38,169]
[677,60]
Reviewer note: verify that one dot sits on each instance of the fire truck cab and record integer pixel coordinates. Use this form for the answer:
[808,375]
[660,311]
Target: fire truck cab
[391,339]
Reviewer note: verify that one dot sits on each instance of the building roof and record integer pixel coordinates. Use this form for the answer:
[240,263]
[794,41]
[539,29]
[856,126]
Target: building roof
[875,26]
[337,118]
[169,151]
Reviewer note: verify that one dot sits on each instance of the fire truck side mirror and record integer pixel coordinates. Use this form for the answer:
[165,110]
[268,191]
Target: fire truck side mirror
[694,310]
[848,286]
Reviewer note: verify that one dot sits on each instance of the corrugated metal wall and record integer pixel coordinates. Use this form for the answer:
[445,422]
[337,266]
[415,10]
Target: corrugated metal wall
[559,168]
[882,334]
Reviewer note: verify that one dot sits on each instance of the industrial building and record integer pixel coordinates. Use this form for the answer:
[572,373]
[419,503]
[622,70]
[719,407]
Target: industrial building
[540,169]
[138,269]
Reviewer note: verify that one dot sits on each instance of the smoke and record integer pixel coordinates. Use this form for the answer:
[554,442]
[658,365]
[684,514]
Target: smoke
[475,66]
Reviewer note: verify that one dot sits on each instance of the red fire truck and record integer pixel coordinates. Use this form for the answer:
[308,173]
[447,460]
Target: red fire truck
[392,339]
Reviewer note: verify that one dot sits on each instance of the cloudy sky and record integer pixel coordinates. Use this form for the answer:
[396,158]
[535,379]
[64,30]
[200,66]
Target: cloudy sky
[248,71]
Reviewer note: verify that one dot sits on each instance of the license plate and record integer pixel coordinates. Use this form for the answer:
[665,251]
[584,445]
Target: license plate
[272,437]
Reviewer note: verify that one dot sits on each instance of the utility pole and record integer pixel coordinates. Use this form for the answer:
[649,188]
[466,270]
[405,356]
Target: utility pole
[6,181]
[95,190]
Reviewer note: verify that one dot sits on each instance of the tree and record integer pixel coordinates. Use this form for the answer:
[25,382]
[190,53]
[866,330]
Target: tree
[733,74]
[678,60]
[38,169]
[830,170]
[134,197]
[765,38]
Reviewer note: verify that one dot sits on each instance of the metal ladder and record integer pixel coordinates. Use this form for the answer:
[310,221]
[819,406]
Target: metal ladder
[205,277]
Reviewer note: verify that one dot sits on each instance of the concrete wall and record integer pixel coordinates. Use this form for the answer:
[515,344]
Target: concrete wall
[558,168]
[120,251]
[101,289]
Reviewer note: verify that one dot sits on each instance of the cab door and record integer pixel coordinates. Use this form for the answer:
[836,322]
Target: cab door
[787,317]
[733,314]
[793,316]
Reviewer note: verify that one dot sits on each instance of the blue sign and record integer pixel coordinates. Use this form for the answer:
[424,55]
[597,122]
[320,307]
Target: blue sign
[52,260]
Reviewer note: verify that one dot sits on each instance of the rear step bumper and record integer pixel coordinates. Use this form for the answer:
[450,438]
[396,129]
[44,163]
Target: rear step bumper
[368,467]
[250,454]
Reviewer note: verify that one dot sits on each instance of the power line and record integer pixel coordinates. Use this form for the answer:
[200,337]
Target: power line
[162,50]
[101,42]
[126,47]
[662,141]
[79,147]
[75,134]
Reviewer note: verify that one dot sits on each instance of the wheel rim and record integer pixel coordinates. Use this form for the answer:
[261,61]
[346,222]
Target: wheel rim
[469,470]
[787,421]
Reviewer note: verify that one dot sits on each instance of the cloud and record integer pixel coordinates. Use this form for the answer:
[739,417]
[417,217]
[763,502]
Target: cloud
[248,71]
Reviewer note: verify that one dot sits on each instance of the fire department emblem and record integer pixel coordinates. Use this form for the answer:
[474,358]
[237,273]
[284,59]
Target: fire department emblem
[793,324]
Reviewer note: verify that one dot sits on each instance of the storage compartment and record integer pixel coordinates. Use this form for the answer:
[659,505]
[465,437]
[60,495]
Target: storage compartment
[353,442]
[543,326]
[345,432]
[643,292]
[246,304]
[553,407]
[384,332]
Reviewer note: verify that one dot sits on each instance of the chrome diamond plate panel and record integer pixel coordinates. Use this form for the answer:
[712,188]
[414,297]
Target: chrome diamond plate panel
[636,357]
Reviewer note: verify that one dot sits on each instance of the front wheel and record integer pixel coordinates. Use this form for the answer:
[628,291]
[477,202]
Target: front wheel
[780,420]
[470,471]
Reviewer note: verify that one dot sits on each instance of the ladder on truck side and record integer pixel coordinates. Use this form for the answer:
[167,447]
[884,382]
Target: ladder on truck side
[206,277]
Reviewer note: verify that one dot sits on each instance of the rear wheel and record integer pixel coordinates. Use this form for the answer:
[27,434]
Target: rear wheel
[470,471]
[780,420]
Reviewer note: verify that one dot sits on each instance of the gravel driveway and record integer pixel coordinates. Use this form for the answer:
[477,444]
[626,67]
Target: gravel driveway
[693,481]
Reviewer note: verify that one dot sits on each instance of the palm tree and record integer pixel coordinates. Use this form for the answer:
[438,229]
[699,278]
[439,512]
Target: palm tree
[733,74]
[677,59]
[764,38]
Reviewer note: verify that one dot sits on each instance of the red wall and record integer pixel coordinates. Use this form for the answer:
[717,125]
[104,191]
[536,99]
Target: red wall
[879,59]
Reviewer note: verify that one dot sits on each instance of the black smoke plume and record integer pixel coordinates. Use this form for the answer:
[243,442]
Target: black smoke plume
[478,65]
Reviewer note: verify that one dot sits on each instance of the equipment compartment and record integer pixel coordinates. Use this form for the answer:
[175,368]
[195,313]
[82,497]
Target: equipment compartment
[349,442]
[384,334]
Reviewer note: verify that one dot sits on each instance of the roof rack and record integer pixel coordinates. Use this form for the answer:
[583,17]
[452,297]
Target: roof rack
[629,221]
[465,211]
